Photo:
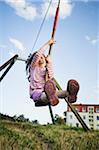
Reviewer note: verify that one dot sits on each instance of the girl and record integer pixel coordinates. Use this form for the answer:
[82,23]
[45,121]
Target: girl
[41,91]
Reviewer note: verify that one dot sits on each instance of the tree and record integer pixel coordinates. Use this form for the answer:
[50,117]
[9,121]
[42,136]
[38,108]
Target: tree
[35,122]
[59,120]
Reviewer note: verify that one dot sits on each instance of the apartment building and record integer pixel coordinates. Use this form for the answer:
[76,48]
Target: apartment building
[88,112]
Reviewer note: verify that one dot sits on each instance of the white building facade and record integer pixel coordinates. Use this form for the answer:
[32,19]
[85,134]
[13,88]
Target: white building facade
[88,112]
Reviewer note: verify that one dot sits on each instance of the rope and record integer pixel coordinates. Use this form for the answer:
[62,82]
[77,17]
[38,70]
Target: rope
[41,26]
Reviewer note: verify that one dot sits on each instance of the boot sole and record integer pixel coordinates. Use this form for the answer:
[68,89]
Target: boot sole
[72,89]
[50,90]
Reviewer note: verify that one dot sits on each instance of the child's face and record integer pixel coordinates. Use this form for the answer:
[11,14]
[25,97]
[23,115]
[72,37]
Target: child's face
[42,60]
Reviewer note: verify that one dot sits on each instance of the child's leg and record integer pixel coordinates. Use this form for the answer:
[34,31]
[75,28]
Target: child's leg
[40,98]
[62,93]
[51,95]
[71,92]
[72,89]
[36,96]
[50,90]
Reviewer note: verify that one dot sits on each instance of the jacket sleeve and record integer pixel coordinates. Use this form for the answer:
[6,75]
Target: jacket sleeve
[50,70]
[39,53]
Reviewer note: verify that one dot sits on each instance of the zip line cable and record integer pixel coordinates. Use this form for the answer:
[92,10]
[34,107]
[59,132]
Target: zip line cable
[41,26]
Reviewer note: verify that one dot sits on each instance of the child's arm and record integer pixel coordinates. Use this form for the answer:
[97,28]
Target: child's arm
[41,51]
[44,47]
[50,68]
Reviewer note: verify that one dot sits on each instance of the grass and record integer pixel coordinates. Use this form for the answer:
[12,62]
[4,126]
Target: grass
[26,136]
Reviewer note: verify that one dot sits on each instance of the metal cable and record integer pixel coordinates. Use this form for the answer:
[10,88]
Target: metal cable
[41,26]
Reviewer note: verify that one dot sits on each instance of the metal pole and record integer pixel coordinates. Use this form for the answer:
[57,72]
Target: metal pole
[21,59]
[8,62]
[51,113]
[3,75]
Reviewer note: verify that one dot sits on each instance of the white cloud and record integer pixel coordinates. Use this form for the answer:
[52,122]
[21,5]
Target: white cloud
[17,44]
[65,9]
[93,41]
[29,12]
[23,9]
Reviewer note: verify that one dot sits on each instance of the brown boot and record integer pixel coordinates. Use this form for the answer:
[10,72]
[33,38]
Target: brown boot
[50,90]
[72,89]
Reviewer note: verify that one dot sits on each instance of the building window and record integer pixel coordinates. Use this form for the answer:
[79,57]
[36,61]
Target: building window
[65,113]
[71,116]
[97,110]
[91,109]
[91,117]
[77,125]
[97,117]
[84,117]
[90,120]
[84,109]
[77,109]
[91,125]
[90,112]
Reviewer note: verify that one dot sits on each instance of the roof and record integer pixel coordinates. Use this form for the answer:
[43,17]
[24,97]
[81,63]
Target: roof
[85,104]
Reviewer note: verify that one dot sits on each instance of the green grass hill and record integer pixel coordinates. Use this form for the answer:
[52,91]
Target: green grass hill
[24,135]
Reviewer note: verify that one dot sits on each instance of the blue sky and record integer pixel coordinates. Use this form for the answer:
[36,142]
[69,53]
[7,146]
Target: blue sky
[75,54]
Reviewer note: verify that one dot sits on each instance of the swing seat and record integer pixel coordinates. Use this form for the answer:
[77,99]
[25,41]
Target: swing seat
[40,103]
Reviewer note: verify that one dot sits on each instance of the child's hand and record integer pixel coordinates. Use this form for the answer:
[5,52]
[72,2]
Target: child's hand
[48,59]
[52,41]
